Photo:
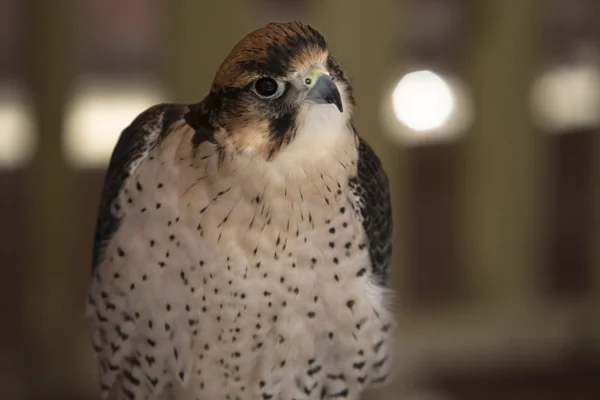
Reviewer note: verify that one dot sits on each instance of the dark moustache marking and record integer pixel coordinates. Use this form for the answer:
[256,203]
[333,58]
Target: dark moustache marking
[281,129]
[281,125]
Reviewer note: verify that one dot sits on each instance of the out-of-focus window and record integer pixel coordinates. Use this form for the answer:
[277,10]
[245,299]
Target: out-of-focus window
[17,146]
[428,110]
[118,57]
[119,50]
[566,104]
[16,130]
[118,65]
[99,110]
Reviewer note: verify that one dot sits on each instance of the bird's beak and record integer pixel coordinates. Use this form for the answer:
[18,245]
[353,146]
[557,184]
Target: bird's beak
[322,89]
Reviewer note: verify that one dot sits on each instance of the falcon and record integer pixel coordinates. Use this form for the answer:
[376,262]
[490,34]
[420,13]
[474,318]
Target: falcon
[243,243]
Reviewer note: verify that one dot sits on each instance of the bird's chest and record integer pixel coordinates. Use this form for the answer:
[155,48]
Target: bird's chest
[282,284]
[279,258]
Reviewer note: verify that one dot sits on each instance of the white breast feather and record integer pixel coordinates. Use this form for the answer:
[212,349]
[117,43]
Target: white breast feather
[238,259]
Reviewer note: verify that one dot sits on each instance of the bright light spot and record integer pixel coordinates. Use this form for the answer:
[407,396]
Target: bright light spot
[98,113]
[17,136]
[423,107]
[567,98]
[422,101]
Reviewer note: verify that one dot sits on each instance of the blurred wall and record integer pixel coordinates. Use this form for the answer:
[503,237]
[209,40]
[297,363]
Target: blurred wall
[497,223]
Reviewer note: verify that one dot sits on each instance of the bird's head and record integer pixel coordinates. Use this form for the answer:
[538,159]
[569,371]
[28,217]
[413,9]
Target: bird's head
[278,83]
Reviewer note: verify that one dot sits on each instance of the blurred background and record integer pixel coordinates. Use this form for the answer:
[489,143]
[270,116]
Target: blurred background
[486,114]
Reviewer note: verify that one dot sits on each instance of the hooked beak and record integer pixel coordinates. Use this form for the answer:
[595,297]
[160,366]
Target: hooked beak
[323,90]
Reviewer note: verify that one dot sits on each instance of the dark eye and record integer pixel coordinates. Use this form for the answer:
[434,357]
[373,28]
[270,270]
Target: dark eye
[266,87]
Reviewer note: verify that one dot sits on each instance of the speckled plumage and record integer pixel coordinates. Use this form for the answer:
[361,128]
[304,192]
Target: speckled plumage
[224,272]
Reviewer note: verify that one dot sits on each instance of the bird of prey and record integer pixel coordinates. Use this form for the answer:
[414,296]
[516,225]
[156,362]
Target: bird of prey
[243,243]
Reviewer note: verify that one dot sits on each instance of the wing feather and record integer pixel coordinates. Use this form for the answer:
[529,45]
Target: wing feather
[132,148]
[370,186]
[117,337]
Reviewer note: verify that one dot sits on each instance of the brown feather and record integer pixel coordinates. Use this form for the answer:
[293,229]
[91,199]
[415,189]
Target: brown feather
[234,117]
[306,47]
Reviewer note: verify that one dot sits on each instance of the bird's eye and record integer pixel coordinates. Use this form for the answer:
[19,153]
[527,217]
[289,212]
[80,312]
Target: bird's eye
[267,88]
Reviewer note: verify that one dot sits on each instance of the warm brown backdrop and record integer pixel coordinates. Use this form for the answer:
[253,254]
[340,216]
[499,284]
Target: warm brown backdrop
[497,259]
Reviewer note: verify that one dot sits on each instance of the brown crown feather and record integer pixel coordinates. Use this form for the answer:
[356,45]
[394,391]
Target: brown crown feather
[276,49]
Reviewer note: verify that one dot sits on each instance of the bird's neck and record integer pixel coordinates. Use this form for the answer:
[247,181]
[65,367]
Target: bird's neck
[316,165]
[314,152]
